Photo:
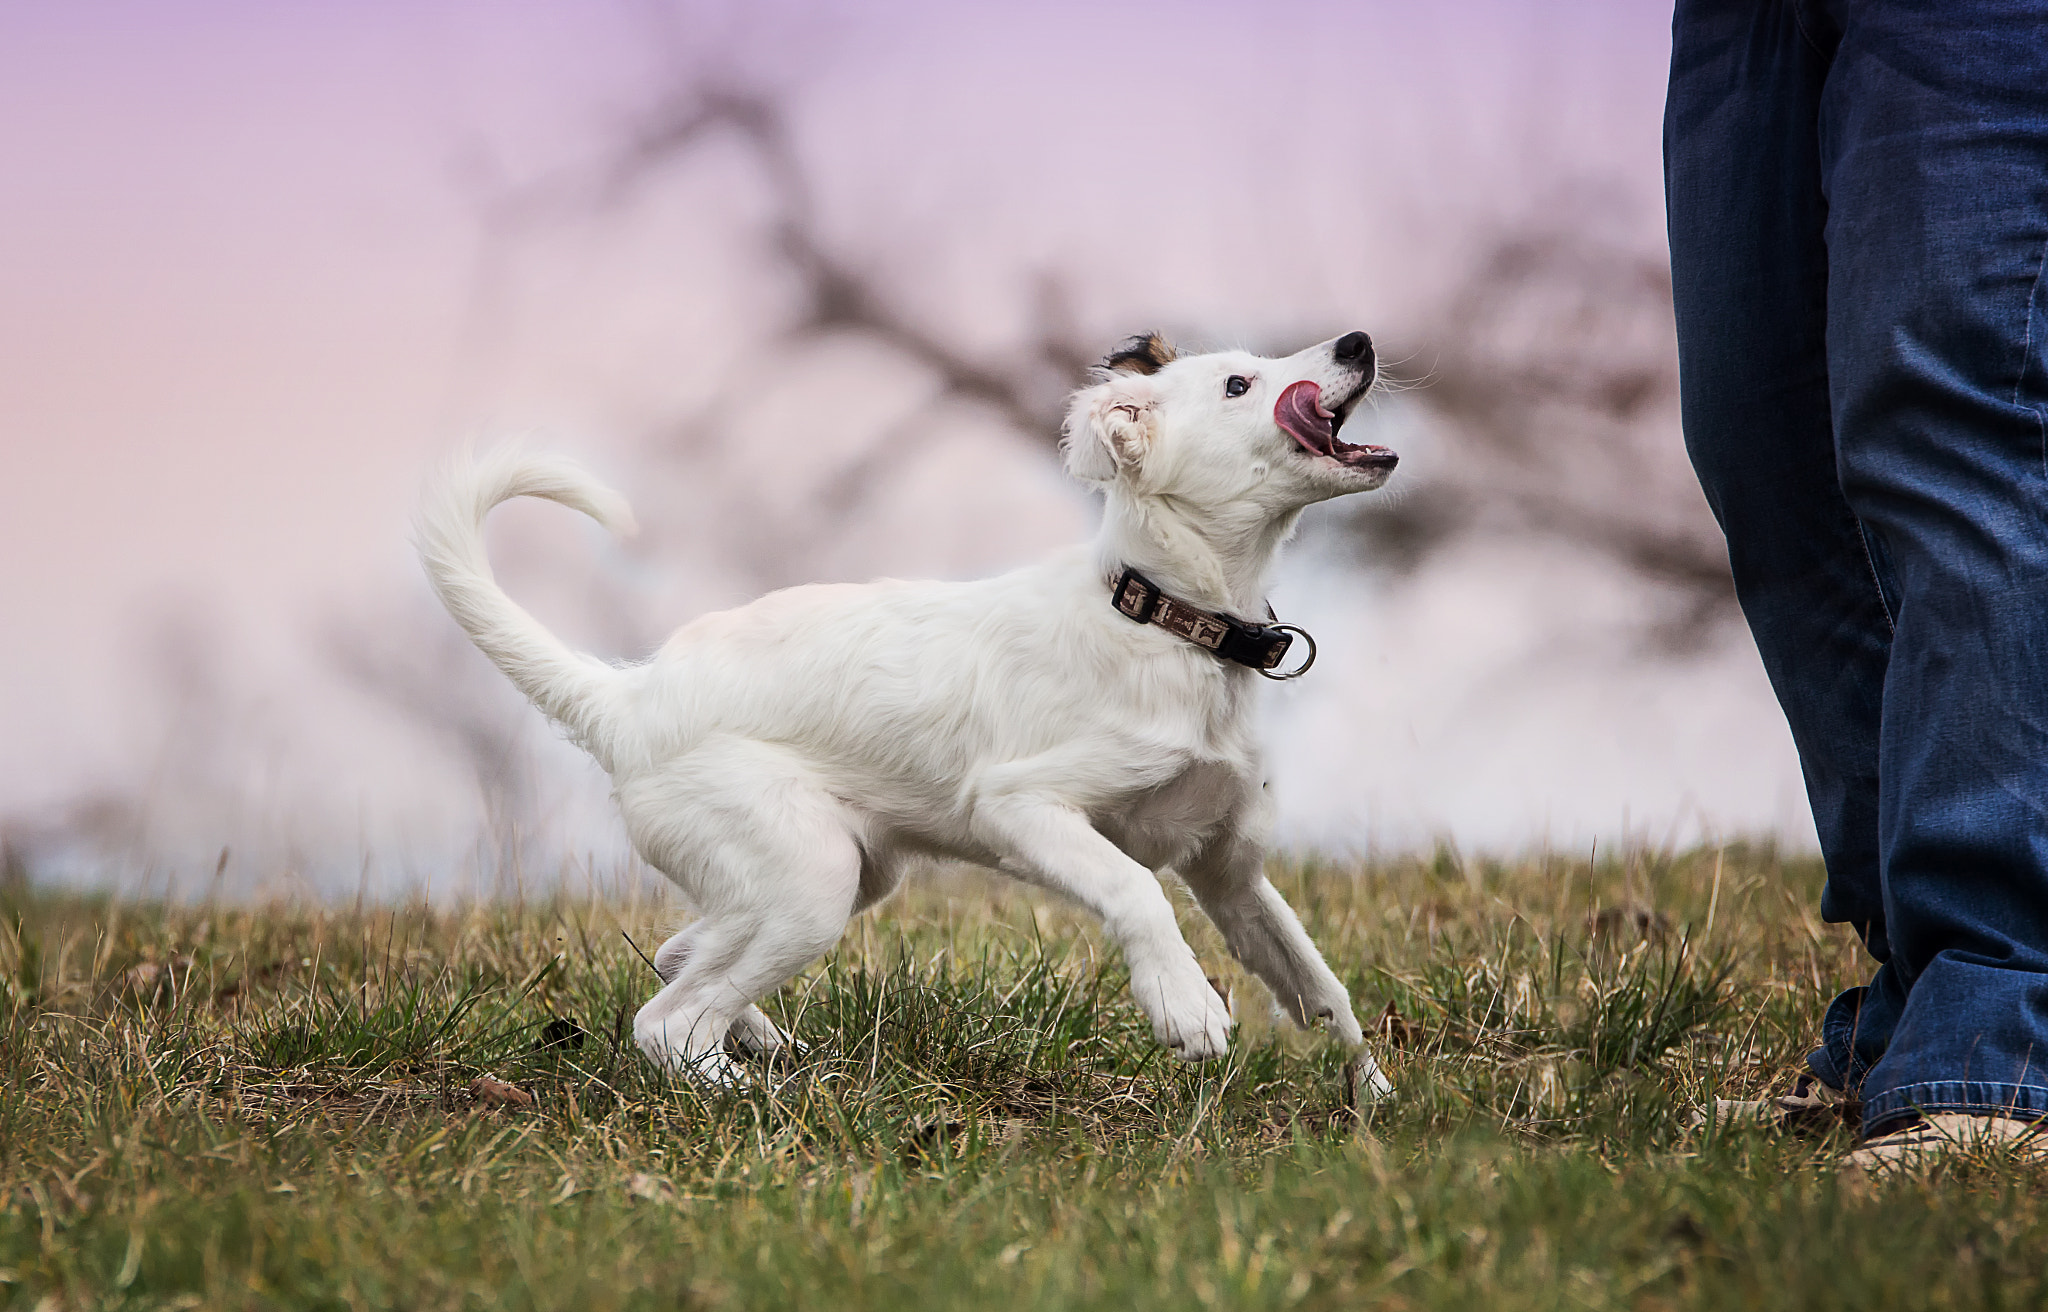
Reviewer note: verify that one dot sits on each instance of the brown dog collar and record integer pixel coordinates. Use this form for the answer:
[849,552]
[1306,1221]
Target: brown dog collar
[1260,646]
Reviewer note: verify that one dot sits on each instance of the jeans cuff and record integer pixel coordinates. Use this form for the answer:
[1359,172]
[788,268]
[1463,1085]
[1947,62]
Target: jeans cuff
[1835,1060]
[1882,1113]
[1827,1070]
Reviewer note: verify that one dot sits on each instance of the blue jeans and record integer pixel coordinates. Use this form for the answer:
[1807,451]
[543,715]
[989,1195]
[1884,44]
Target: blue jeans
[1858,199]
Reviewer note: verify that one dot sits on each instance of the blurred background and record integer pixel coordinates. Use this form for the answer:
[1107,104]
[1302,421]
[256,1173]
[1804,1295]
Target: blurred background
[809,282]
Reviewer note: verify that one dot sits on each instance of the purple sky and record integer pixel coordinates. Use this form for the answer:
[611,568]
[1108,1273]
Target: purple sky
[240,253]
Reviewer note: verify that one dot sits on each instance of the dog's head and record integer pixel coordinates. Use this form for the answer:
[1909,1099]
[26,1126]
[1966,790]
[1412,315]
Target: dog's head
[1227,427]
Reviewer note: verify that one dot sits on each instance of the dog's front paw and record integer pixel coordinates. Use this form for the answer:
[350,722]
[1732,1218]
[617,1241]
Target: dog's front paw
[1190,1019]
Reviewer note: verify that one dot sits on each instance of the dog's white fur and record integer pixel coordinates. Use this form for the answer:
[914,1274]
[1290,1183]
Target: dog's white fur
[784,761]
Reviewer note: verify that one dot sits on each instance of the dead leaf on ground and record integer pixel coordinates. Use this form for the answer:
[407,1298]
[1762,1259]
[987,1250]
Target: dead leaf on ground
[494,1092]
[1636,919]
[652,1188]
[145,977]
[1397,1029]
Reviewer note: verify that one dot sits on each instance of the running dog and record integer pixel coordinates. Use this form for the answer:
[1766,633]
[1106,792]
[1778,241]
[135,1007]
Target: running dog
[1084,724]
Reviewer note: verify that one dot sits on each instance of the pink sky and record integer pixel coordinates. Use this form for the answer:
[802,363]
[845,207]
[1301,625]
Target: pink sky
[239,263]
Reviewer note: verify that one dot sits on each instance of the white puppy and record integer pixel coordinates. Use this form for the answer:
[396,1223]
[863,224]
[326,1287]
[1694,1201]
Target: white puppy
[784,761]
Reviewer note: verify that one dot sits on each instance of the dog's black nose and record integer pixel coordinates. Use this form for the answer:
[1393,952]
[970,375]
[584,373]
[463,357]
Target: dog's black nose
[1353,348]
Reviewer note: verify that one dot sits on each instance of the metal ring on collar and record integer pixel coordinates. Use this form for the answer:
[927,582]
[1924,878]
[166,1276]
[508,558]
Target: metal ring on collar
[1304,667]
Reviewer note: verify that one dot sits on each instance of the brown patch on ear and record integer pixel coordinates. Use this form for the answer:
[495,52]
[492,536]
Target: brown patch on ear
[1141,355]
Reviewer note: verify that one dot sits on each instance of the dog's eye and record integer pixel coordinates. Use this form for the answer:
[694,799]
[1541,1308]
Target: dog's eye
[1237,385]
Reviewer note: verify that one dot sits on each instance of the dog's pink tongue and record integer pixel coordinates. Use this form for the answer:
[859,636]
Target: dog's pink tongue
[1300,413]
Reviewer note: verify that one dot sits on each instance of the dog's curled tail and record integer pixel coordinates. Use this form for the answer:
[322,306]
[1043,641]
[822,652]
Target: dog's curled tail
[570,688]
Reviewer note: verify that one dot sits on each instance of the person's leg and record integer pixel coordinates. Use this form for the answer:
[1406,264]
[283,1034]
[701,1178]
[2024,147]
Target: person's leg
[1750,287]
[1934,140]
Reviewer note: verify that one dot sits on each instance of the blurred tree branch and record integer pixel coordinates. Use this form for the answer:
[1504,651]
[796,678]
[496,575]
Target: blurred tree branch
[841,292]
[1555,375]
[1556,389]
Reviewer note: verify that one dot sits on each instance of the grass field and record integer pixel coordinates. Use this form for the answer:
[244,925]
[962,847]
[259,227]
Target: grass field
[276,1107]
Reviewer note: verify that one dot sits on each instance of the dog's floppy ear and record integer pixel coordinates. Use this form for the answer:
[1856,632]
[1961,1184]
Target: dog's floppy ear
[1109,429]
[1141,355]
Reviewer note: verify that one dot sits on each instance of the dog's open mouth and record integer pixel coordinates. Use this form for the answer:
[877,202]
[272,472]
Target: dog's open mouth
[1301,413]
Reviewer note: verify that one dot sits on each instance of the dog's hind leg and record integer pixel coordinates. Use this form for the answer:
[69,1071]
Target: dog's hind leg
[752,1032]
[735,959]
[1228,878]
[669,957]
[755,1035]
[736,956]
[771,864]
